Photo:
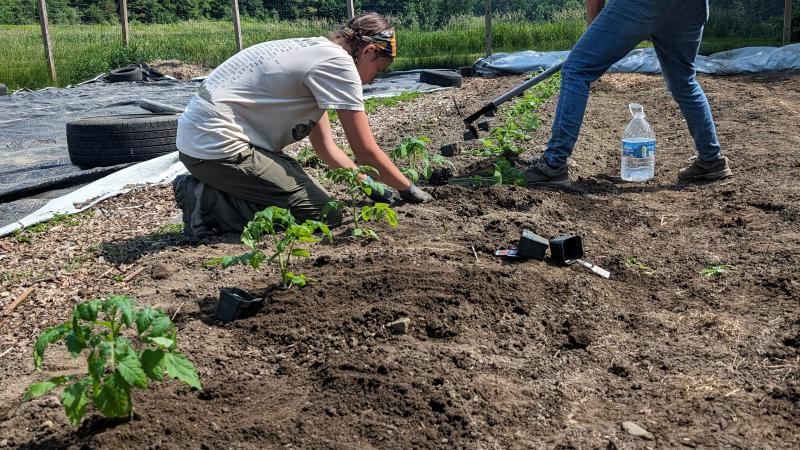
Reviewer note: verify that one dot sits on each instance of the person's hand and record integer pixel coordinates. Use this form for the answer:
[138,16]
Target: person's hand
[415,195]
[379,193]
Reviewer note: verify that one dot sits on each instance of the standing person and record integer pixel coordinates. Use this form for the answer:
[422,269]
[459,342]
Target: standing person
[675,28]
[266,97]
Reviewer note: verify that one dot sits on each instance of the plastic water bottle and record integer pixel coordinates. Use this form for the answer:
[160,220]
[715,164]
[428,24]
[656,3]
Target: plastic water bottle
[638,147]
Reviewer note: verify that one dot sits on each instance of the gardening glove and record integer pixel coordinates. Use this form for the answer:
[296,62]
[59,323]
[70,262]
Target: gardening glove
[415,195]
[380,193]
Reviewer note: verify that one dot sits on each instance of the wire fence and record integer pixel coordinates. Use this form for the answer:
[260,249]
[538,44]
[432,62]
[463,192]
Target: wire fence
[88,38]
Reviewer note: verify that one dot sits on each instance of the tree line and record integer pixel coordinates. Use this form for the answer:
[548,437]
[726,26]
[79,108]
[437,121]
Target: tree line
[425,13]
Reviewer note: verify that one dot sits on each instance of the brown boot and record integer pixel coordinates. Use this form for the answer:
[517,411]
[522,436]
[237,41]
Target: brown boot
[706,171]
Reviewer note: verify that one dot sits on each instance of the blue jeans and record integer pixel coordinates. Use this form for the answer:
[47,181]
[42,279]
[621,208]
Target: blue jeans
[675,28]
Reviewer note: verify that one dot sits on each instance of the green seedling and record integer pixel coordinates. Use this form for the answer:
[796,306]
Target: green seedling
[715,271]
[280,227]
[359,187]
[115,364]
[503,141]
[420,163]
[502,172]
[640,267]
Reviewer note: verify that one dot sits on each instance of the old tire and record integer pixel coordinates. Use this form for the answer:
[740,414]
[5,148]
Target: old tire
[125,74]
[111,140]
[441,78]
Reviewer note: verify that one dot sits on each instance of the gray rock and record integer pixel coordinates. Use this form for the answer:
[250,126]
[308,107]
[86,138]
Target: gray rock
[400,326]
[52,402]
[4,443]
[47,424]
[637,431]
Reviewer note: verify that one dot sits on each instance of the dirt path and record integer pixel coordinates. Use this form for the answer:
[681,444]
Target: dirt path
[498,355]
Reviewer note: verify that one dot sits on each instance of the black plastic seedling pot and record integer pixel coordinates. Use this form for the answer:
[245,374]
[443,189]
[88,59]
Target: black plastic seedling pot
[531,245]
[235,303]
[449,149]
[566,248]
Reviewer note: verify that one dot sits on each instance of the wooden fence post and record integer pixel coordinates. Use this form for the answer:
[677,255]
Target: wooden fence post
[237,25]
[48,45]
[123,18]
[487,13]
[787,22]
[351,10]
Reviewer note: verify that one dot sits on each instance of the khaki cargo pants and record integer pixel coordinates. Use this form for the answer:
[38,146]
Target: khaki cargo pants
[239,186]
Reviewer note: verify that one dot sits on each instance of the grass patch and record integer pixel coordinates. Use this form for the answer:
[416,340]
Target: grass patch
[84,51]
[8,277]
[25,235]
[372,104]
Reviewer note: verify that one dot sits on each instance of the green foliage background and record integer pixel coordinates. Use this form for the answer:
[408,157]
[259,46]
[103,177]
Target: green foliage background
[431,33]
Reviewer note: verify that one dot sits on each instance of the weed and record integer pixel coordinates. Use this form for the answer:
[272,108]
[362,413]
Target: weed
[420,163]
[168,229]
[715,271]
[637,265]
[286,233]
[68,220]
[307,157]
[118,278]
[359,187]
[115,365]
[15,276]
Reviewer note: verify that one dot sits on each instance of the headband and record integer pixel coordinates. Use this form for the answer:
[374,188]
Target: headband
[386,40]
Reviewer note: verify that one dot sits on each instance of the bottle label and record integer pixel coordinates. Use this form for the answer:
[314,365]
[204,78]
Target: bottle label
[646,149]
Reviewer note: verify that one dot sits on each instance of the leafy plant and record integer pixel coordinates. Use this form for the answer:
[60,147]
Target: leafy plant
[715,271]
[115,365]
[281,226]
[413,152]
[503,141]
[359,187]
[501,172]
[637,265]
[307,157]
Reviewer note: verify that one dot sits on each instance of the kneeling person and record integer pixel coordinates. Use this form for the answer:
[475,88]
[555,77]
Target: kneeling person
[272,94]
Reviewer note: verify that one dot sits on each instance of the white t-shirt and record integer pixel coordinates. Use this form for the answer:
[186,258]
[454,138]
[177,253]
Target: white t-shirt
[268,95]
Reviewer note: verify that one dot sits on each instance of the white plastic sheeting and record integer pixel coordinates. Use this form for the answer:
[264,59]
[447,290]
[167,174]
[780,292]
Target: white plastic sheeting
[644,60]
[159,170]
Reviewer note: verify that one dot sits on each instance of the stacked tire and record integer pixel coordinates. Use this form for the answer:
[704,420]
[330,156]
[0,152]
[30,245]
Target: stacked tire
[113,140]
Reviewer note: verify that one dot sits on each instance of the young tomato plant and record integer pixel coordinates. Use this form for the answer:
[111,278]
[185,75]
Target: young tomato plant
[420,163]
[503,142]
[501,172]
[280,226]
[114,364]
[359,187]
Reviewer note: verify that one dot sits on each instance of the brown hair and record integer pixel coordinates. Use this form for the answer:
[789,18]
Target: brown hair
[351,33]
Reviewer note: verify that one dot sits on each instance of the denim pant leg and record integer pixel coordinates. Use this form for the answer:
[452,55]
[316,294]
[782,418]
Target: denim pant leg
[677,48]
[619,28]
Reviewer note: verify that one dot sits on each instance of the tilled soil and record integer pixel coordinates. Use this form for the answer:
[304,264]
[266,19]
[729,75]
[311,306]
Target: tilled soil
[498,354]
